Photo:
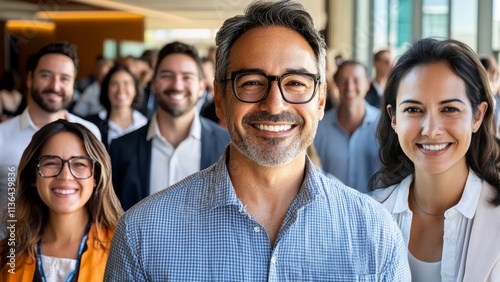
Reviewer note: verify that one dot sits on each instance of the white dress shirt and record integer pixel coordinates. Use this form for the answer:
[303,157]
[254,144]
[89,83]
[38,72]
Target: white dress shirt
[115,131]
[168,164]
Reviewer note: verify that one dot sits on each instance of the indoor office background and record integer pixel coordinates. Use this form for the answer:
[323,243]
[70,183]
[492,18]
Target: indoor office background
[352,28]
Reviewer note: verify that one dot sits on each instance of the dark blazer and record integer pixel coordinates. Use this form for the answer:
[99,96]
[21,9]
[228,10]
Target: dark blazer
[131,159]
[372,97]
[103,126]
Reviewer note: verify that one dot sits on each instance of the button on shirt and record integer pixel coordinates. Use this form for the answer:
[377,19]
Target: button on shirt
[169,164]
[198,230]
[352,158]
[457,224]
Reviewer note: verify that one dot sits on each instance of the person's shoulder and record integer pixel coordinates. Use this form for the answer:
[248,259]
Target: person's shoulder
[10,124]
[329,116]
[326,125]
[211,126]
[89,125]
[133,136]
[95,119]
[383,194]
[353,201]
[372,111]
[171,203]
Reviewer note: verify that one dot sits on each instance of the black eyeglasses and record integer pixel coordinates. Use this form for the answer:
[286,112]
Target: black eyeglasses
[254,86]
[81,167]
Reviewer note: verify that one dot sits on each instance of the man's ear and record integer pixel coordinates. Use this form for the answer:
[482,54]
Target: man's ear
[203,86]
[322,101]
[29,80]
[219,103]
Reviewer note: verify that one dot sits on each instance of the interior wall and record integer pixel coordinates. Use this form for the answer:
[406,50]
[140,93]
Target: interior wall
[24,39]
[3,54]
[89,36]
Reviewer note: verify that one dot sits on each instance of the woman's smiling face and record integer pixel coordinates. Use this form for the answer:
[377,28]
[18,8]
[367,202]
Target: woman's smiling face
[434,119]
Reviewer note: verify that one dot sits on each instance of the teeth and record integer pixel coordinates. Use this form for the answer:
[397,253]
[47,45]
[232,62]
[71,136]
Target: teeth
[64,191]
[176,96]
[274,128]
[434,147]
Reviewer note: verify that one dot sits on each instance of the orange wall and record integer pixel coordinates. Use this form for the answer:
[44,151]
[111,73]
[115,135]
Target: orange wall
[30,38]
[88,34]
[2,48]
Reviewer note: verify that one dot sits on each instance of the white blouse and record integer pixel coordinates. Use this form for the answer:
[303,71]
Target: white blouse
[422,271]
[57,269]
[457,224]
[115,131]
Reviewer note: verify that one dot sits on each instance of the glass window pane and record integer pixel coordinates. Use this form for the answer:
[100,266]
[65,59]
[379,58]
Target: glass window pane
[464,22]
[435,15]
[496,25]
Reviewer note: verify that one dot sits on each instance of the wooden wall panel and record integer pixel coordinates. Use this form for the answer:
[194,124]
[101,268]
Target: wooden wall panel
[89,36]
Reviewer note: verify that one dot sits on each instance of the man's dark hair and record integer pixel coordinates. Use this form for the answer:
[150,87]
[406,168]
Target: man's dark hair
[63,48]
[180,48]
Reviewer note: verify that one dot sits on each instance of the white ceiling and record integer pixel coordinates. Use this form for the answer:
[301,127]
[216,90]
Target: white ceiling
[159,14]
[167,14]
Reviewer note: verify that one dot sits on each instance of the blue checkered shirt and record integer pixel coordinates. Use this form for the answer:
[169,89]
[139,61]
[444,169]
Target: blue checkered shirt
[198,230]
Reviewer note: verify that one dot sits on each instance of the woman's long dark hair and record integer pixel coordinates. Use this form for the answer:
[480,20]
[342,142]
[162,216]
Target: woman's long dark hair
[483,156]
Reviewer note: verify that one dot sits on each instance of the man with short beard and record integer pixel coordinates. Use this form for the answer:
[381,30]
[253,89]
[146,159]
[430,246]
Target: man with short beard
[176,142]
[262,212]
[50,83]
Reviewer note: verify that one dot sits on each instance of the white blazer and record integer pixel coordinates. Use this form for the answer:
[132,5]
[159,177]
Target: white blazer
[483,254]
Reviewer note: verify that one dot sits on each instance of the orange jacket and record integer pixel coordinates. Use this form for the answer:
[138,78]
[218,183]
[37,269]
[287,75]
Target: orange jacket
[92,264]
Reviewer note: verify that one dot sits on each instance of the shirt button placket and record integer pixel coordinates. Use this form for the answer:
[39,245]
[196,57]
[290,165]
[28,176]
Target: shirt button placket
[273,276]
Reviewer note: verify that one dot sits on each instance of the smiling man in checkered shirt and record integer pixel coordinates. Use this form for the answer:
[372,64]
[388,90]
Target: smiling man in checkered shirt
[262,212]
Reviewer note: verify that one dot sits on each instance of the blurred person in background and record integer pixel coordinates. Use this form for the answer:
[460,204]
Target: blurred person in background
[491,66]
[118,91]
[10,97]
[177,141]
[382,63]
[206,104]
[346,142]
[88,102]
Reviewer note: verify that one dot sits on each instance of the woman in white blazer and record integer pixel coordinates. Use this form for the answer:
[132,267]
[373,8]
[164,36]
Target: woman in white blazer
[441,163]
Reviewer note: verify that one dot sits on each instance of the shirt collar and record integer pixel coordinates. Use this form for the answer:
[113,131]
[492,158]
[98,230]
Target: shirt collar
[26,121]
[154,130]
[223,194]
[402,196]
[470,196]
[372,115]
[466,206]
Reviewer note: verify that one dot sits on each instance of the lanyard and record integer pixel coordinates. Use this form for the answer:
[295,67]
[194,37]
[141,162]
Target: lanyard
[80,251]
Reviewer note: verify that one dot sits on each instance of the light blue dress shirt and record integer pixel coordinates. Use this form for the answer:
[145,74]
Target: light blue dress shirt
[198,230]
[353,159]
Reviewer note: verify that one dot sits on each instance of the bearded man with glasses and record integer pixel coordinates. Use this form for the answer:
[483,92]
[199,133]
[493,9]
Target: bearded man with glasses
[262,212]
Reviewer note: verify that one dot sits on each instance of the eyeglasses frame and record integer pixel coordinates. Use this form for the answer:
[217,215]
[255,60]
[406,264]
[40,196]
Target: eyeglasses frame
[62,166]
[270,79]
